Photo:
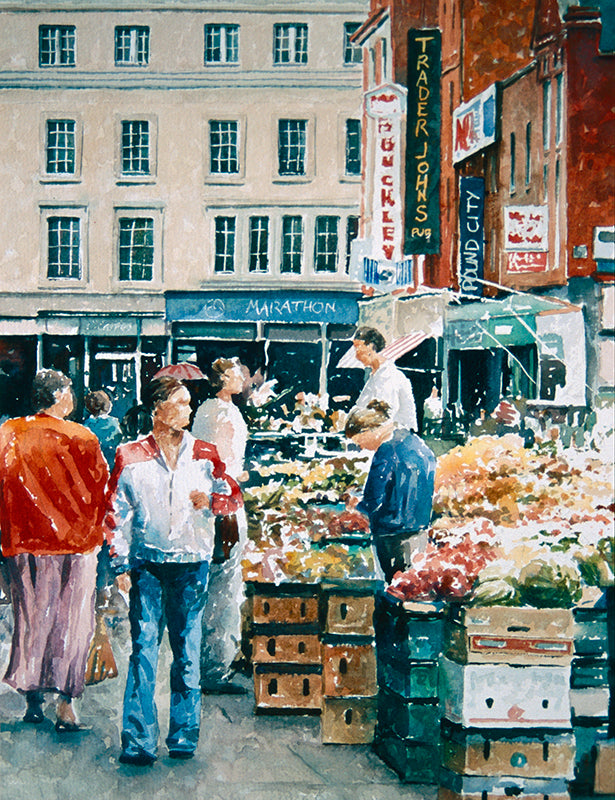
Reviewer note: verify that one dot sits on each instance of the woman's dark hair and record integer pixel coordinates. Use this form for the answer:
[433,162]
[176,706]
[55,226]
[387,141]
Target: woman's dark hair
[45,387]
[370,336]
[137,421]
[375,414]
[218,368]
[97,402]
[159,390]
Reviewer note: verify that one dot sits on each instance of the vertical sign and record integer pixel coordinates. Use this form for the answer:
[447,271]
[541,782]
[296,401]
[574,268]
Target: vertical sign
[423,143]
[471,235]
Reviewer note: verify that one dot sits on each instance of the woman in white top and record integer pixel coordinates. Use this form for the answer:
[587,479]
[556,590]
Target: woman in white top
[220,422]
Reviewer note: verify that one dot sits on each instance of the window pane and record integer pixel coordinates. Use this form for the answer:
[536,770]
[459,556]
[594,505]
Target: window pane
[352,53]
[132,45]
[63,247]
[56,45]
[546,114]
[259,244]
[325,246]
[225,244]
[221,44]
[290,44]
[353,147]
[292,244]
[352,231]
[135,147]
[223,147]
[136,249]
[291,146]
[513,160]
[61,146]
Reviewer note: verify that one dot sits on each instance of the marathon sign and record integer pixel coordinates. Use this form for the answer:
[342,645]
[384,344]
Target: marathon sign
[471,235]
[386,106]
[474,125]
[526,238]
[422,229]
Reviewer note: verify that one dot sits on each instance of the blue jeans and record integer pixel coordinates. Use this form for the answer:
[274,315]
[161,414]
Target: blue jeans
[172,594]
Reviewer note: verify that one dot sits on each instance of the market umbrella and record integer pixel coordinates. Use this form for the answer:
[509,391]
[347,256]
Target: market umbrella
[185,371]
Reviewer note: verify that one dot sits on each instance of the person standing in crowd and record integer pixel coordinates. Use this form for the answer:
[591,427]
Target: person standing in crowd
[386,382]
[219,421]
[166,489]
[105,427]
[53,478]
[398,493]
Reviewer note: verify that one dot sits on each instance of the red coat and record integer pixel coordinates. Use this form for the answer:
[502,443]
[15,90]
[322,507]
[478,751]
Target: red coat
[52,487]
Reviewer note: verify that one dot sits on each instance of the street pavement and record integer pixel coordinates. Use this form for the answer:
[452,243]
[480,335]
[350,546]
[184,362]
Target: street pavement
[240,755]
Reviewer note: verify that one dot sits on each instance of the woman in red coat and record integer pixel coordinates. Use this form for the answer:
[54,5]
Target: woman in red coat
[52,490]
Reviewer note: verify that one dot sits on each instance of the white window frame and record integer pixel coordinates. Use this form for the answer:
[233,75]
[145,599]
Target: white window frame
[223,28]
[136,177]
[60,177]
[52,211]
[235,250]
[342,139]
[338,218]
[255,227]
[310,140]
[290,31]
[137,55]
[225,177]
[349,48]
[127,211]
[56,52]
[287,214]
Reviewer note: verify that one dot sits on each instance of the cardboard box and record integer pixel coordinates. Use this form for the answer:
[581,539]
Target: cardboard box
[414,680]
[504,635]
[302,648]
[604,782]
[345,613]
[288,688]
[407,631]
[414,762]
[535,754]
[349,667]
[348,720]
[504,696]
[477,787]
[288,603]
[591,703]
[407,719]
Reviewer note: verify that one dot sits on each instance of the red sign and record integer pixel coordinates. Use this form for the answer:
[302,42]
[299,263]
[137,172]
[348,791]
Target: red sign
[527,262]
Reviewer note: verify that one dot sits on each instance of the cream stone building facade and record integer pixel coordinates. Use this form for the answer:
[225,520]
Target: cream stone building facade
[180,180]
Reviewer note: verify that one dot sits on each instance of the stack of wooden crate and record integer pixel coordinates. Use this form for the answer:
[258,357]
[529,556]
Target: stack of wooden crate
[349,686]
[409,639]
[286,652]
[505,679]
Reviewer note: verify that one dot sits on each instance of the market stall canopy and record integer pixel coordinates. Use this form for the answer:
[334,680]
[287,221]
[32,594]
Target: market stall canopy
[185,371]
[391,352]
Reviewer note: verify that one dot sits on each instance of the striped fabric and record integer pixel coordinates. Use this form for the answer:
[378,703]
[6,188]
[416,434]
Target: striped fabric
[391,352]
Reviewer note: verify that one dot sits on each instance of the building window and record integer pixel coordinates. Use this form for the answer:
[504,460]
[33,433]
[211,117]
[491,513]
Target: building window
[352,231]
[546,114]
[292,138]
[56,46]
[64,247]
[136,249]
[221,44]
[224,260]
[528,153]
[223,147]
[60,146]
[559,108]
[513,161]
[353,147]
[292,244]
[353,53]
[545,182]
[493,172]
[135,147]
[325,244]
[131,46]
[259,244]
[290,44]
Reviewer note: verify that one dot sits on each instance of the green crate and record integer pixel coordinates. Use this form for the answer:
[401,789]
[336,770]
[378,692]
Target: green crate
[413,680]
[419,722]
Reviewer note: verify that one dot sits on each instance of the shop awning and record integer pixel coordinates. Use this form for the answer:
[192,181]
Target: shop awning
[391,352]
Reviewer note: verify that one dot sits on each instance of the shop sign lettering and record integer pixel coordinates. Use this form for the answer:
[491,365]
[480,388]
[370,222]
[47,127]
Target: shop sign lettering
[474,125]
[422,224]
[471,235]
[526,228]
[527,262]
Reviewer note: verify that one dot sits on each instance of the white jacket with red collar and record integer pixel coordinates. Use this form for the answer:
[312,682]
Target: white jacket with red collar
[151,516]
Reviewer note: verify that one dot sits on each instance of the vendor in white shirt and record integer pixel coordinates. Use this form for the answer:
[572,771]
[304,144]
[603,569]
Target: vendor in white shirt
[386,382]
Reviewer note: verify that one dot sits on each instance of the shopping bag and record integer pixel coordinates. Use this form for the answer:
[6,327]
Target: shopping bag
[101,662]
[226,537]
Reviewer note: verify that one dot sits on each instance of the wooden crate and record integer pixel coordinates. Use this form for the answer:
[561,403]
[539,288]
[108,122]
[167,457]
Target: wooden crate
[344,612]
[413,680]
[288,603]
[604,781]
[348,720]
[503,635]
[288,688]
[504,696]
[477,787]
[349,666]
[414,762]
[408,719]
[269,646]
[535,754]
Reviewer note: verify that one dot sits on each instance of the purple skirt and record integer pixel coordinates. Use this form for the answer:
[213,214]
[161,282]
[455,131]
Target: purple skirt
[53,609]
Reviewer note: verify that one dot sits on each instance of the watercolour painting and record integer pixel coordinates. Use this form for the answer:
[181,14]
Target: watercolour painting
[307,375]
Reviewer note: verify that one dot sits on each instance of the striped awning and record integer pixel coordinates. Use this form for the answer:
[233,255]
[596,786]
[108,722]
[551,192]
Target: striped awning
[391,352]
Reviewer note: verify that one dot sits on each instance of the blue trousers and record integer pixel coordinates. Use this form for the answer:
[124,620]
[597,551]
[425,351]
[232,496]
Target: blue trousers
[174,595]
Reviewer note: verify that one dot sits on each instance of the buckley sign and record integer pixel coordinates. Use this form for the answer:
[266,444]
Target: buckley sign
[471,235]
[423,143]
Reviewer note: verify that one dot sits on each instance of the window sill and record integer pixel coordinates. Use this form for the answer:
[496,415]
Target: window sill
[146,287]
[223,64]
[225,180]
[127,180]
[291,179]
[63,283]
[350,179]
[60,179]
